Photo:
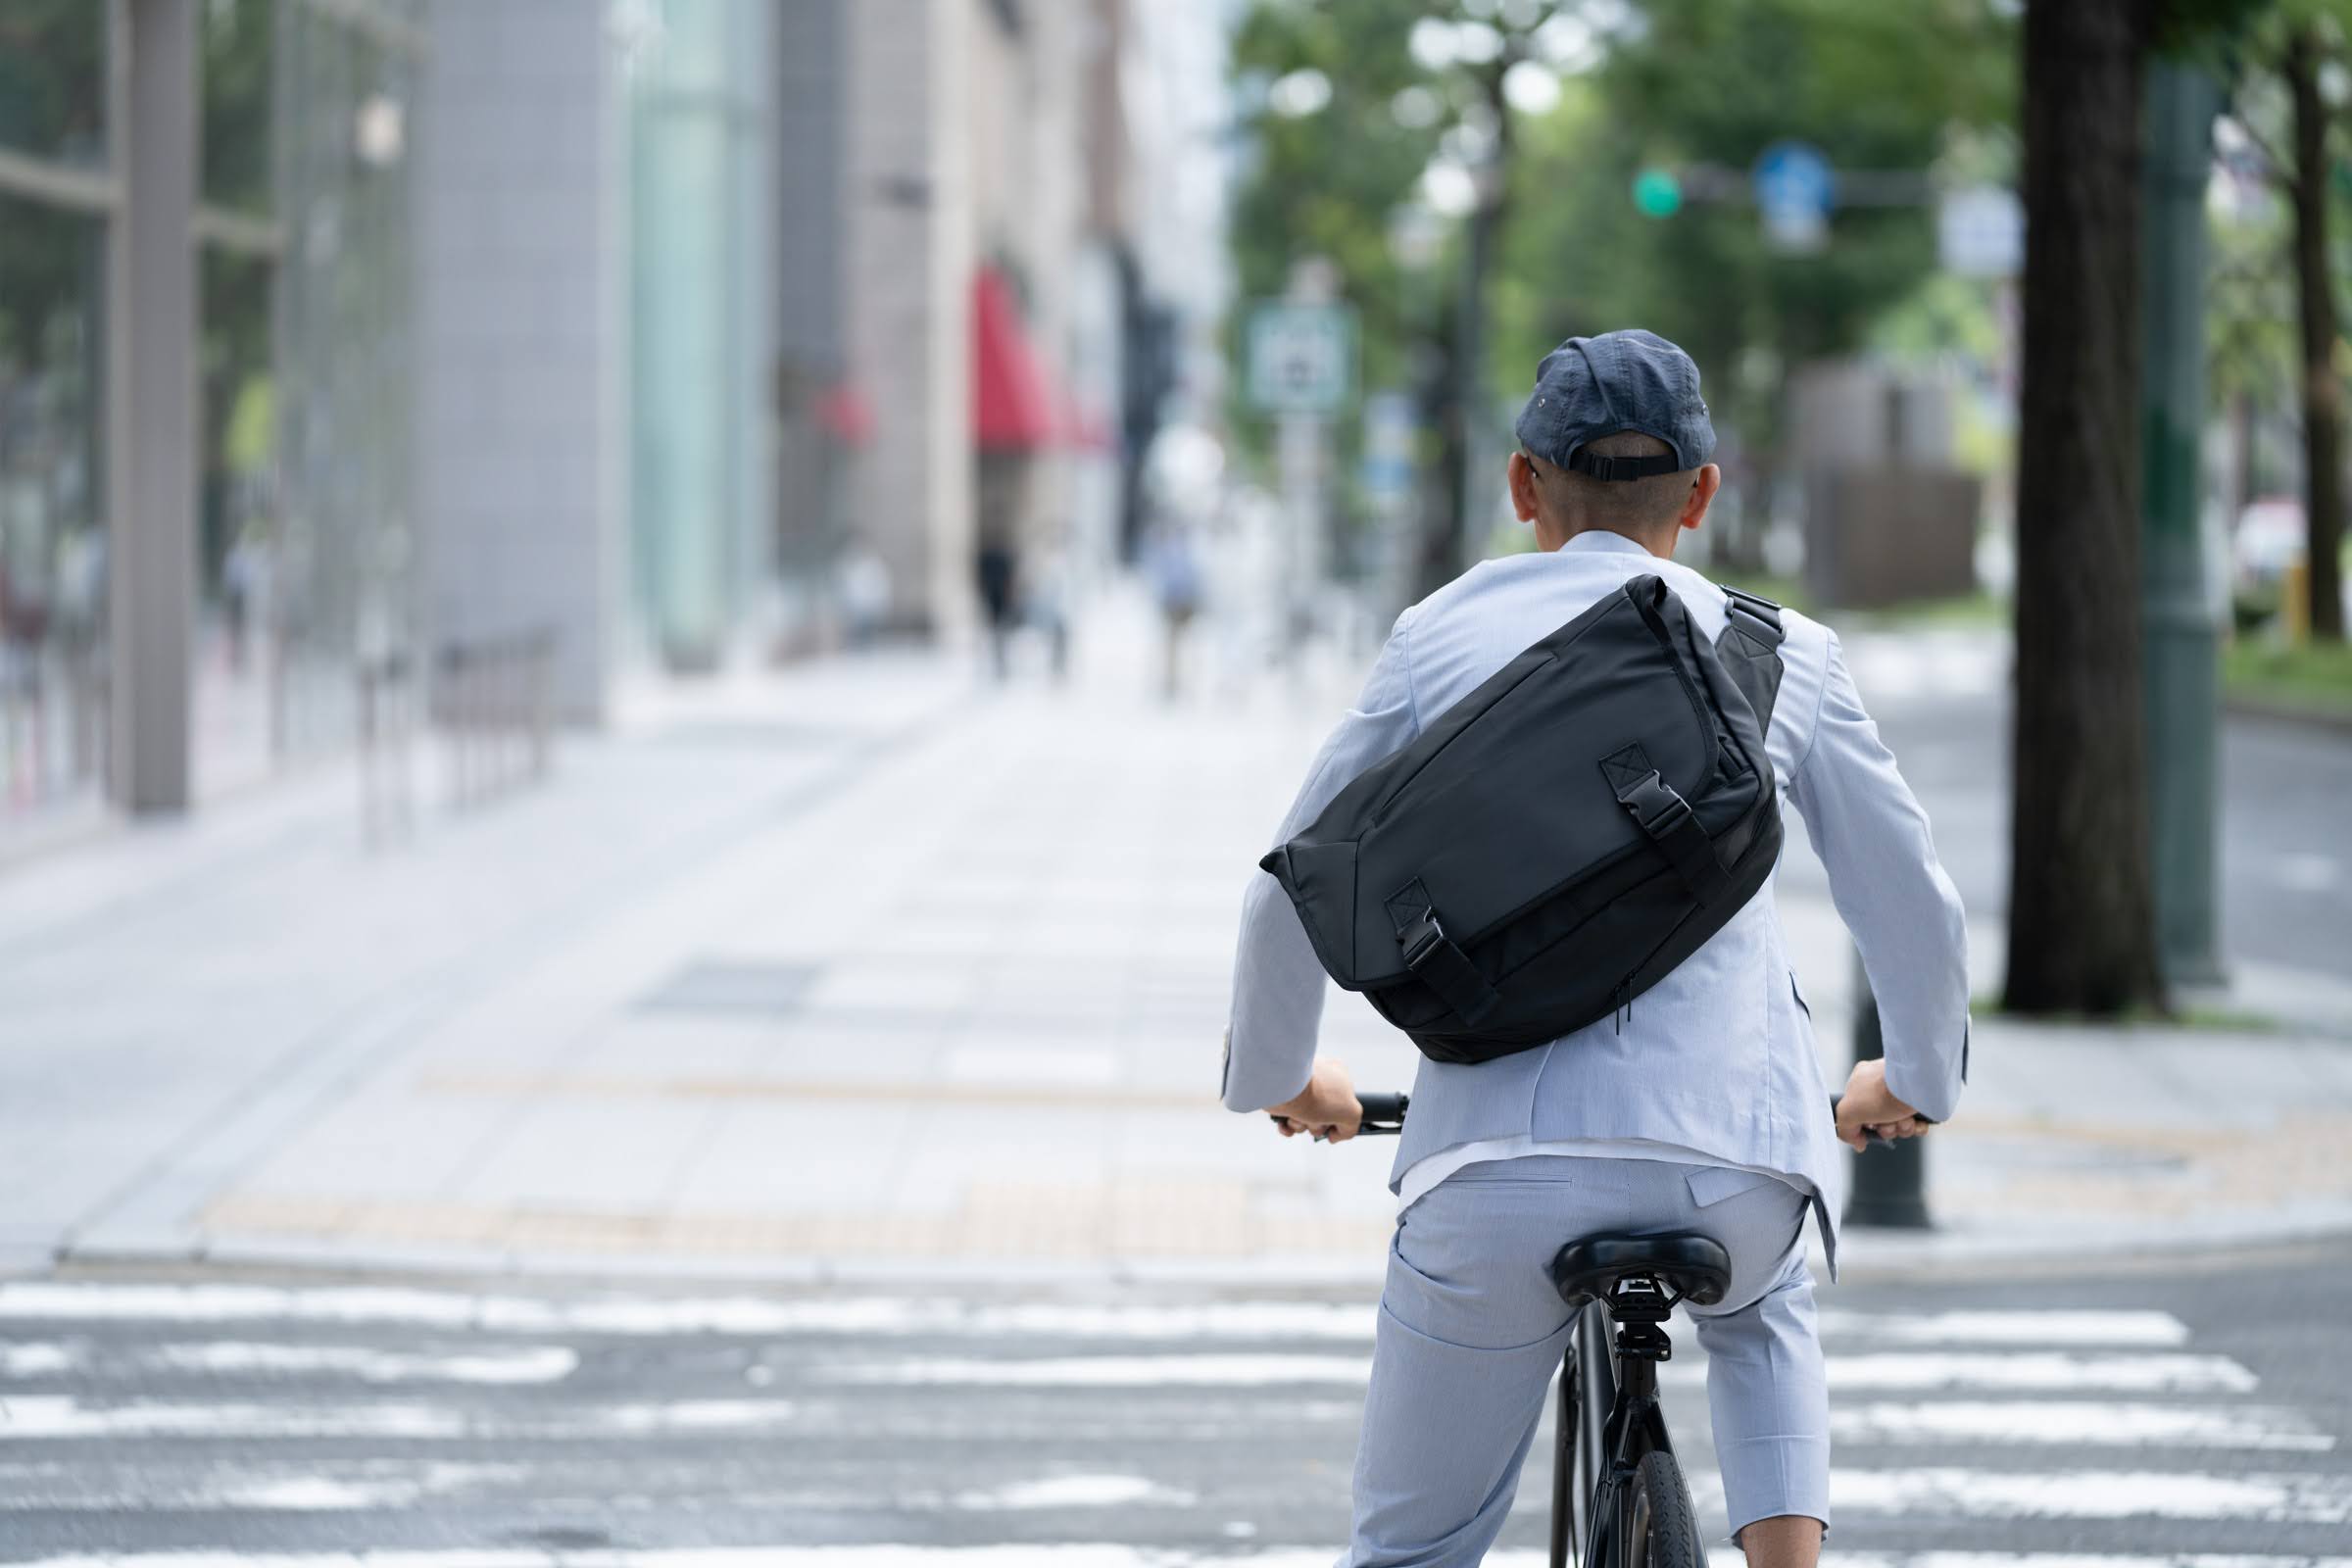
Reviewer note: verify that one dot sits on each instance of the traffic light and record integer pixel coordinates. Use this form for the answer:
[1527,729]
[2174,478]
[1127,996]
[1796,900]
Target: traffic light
[1658,192]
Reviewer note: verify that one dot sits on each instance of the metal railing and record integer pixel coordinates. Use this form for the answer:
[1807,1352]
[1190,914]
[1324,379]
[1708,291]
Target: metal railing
[490,699]
[53,722]
[494,700]
[391,708]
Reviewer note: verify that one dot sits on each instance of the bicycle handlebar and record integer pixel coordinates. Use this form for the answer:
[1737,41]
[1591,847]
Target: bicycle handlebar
[1384,1114]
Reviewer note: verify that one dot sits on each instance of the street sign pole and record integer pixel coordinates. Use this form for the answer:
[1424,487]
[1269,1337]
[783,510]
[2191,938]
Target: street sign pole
[2180,616]
[1302,370]
[1299,443]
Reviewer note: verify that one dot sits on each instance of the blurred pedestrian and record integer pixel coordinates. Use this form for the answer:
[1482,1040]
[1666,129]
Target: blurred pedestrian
[1172,563]
[862,582]
[1045,598]
[245,582]
[1000,576]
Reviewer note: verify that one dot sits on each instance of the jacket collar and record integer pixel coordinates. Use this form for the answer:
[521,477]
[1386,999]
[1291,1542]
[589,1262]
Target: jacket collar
[1602,541]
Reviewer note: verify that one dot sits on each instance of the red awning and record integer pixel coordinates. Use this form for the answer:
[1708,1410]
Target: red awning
[1012,405]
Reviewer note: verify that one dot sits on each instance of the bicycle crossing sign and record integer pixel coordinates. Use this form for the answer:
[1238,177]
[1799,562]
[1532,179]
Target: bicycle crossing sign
[1300,359]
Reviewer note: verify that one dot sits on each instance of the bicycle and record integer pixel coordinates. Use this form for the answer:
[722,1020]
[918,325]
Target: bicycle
[1610,1450]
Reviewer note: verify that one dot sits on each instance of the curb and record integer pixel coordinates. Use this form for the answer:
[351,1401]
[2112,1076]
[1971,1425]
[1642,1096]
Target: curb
[1870,1257]
[2273,710]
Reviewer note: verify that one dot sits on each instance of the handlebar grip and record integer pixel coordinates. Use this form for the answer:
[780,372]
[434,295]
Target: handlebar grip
[1382,1113]
[1870,1135]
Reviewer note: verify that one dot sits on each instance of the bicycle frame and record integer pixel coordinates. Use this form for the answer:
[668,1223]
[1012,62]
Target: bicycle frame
[1589,1523]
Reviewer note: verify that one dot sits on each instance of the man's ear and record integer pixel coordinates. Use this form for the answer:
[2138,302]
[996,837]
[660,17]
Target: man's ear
[1703,486]
[1522,477]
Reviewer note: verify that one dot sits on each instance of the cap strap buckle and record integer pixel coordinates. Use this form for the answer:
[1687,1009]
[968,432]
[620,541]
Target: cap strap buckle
[1586,461]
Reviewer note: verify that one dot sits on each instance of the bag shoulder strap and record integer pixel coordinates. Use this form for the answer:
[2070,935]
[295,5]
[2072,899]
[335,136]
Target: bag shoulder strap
[1751,650]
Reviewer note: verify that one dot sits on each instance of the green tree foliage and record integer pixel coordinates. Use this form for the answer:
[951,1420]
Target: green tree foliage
[2286,62]
[1328,182]
[1670,82]
[1712,84]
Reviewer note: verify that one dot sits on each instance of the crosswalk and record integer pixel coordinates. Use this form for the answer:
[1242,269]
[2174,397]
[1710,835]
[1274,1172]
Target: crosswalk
[196,1425]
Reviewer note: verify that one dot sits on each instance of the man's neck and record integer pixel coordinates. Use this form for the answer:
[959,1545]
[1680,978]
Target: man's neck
[1667,553]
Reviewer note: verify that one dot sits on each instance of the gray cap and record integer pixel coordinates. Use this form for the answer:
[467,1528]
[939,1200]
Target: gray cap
[1589,387]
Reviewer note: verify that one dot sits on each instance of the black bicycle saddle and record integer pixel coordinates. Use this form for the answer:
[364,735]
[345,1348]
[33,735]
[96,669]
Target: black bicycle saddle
[1694,1268]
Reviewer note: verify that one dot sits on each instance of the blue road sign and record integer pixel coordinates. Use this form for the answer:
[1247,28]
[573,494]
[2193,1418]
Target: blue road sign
[1795,187]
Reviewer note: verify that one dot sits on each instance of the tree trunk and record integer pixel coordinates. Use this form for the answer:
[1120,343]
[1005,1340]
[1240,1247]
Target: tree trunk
[2082,904]
[1438,559]
[2323,390]
[2241,442]
[1451,538]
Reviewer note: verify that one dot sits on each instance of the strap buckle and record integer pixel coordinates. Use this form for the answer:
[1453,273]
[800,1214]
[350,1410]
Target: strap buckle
[1657,809]
[1418,937]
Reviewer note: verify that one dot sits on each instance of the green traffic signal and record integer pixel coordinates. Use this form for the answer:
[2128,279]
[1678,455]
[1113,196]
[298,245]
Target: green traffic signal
[1657,192]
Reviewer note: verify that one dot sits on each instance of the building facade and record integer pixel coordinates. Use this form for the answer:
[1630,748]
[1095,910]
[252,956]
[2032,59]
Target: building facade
[335,335]
[206,387]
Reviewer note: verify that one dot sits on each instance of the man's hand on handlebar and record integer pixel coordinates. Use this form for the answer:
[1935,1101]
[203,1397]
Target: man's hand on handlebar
[1326,1109]
[1867,1108]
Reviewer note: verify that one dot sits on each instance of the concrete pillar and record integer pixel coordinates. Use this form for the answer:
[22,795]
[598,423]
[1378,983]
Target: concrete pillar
[521,317]
[908,233]
[151,440]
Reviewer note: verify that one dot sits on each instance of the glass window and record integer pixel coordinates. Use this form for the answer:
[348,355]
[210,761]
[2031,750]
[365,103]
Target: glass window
[238,548]
[343,562]
[53,79]
[236,79]
[52,550]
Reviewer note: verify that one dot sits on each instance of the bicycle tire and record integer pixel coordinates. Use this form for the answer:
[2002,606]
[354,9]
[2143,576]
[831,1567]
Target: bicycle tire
[1661,1524]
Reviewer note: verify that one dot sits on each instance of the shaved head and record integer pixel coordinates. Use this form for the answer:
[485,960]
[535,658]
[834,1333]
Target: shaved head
[1645,508]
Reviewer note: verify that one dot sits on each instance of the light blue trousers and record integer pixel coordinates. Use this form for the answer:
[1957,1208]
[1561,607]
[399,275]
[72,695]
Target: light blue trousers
[1471,1332]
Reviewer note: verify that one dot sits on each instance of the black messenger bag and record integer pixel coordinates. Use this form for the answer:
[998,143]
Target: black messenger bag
[1558,840]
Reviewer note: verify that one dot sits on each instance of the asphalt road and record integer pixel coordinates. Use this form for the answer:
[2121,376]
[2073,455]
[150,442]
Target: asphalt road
[2121,1414]
[2285,850]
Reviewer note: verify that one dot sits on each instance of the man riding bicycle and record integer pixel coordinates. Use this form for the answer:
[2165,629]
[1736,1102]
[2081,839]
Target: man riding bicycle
[1699,1108]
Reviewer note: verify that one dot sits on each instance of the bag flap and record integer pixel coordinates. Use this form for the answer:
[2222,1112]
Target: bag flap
[1516,805]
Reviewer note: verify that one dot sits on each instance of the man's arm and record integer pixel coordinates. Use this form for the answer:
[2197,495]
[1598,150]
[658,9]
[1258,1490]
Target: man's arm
[1276,980]
[1892,894]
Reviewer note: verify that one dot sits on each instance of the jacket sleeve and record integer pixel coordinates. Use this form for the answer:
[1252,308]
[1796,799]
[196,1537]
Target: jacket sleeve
[1891,892]
[1277,982]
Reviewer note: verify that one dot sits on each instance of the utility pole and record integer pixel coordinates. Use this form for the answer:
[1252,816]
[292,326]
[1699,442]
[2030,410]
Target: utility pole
[2179,618]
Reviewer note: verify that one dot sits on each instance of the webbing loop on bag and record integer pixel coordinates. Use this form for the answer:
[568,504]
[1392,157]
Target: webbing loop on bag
[1666,819]
[1434,959]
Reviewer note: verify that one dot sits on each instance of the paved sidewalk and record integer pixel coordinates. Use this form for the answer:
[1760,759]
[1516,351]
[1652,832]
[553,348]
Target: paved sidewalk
[872,970]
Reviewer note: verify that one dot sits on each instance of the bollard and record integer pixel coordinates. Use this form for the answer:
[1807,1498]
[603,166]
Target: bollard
[1889,1179]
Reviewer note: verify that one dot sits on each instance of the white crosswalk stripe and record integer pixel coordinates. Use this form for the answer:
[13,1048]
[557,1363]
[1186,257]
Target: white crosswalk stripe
[2012,1370]
[242,1402]
[1089,1555]
[2115,1423]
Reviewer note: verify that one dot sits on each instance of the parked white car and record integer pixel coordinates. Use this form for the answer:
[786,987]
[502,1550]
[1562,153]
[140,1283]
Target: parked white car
[2268,538]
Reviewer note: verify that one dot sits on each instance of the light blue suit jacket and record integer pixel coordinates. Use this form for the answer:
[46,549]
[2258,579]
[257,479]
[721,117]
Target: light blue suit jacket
[1717,1058]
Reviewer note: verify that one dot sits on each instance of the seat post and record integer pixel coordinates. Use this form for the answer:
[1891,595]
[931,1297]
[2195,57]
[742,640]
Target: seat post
[1640,1346]
[1638,1304]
